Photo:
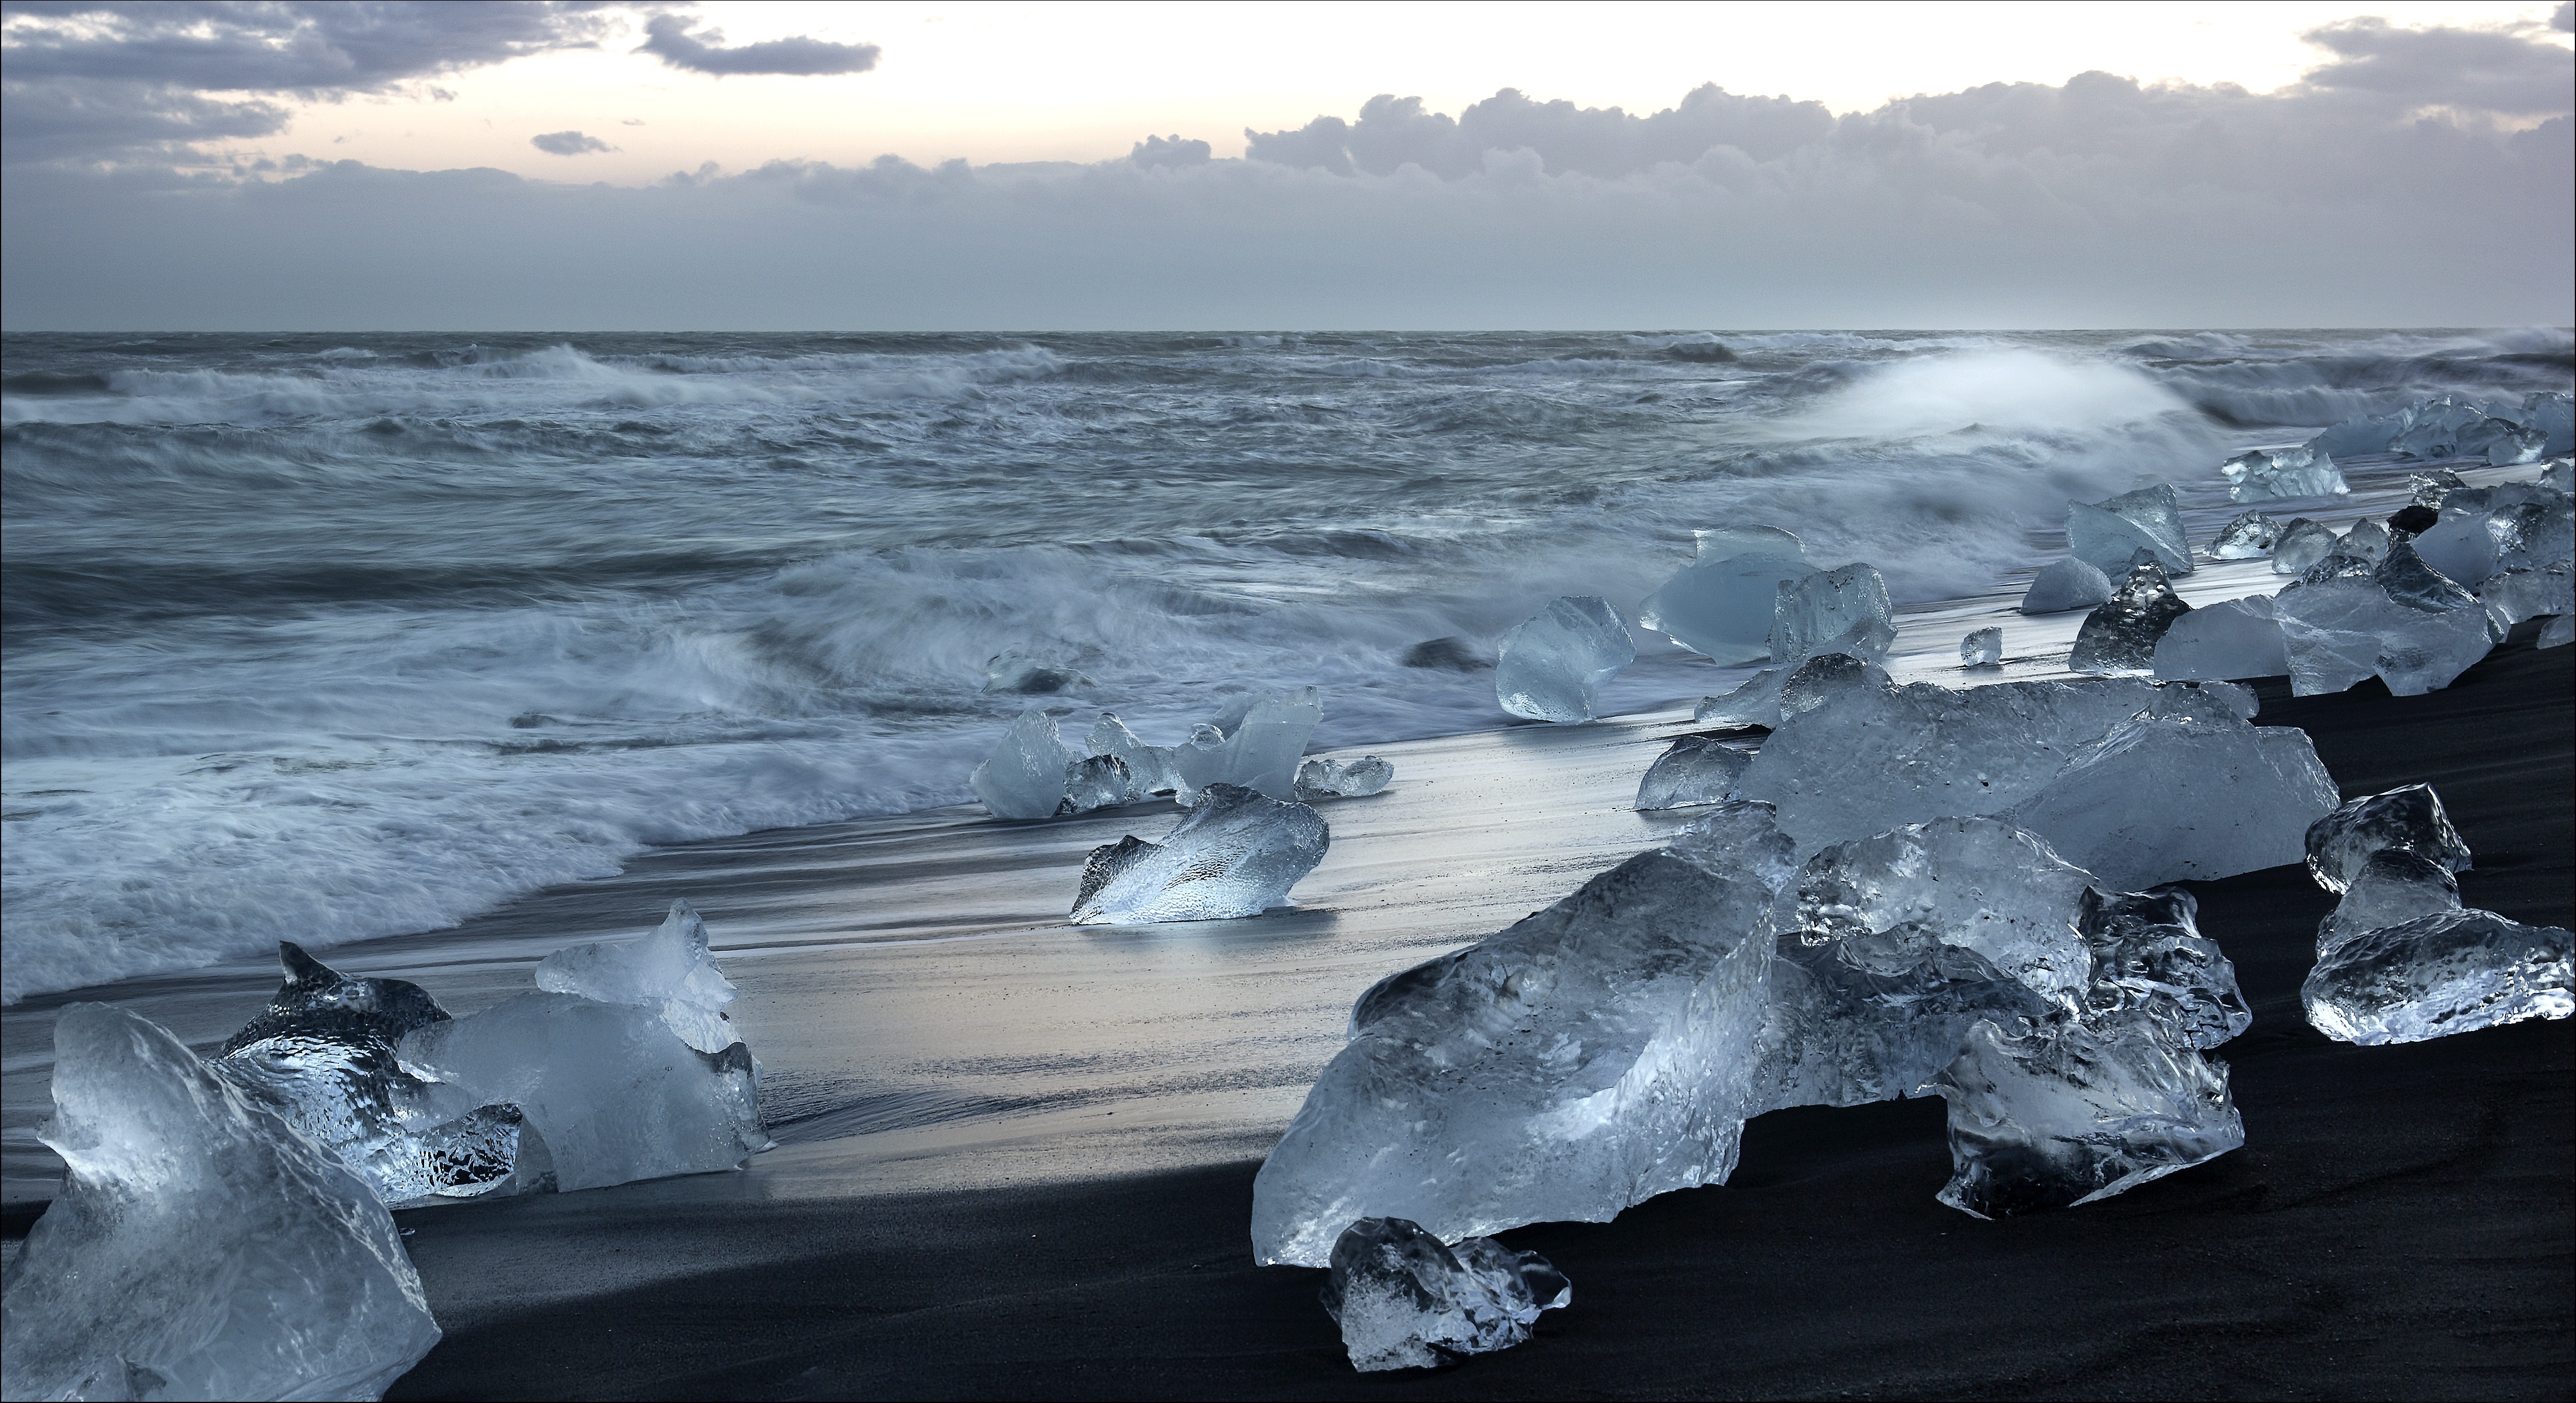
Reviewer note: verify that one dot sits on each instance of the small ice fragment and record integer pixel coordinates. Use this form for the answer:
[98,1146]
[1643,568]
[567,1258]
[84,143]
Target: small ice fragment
[1342,779]
[2234,638]
[2363,434]
[2172,798]
[2337,632]
[2109,532]
[2150,957]
[2367,539]
[1754,702]
[199,1247]
[1696,770]
[2429,488]
[1721,604]
[1983,648]
[2408,818]
[2517,595]
[2557,633]
[2120,637]
[2303,543]
[1024,779]
[2394,887]
[2249,536]
[2449,972]
[1235,854]
[1405,1300]
[1825,676]
[1554,664]
[1842,610]
[2077,1112]
[1149,767]
[2263,474]
[2065,585]
[668,971]
[1019,673]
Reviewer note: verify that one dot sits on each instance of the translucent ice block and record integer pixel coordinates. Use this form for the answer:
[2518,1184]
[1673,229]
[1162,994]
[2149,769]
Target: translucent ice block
[2119,638]
[2249,536]
[1342,779]
[1983,648]
[2066,585]
[2169,799]
[2408,818]
[2107,533]
[2233,638]
[1553,665]
[668,971]
[1722,604]
[2264,474]
[1842,610]
[2451,972]
[1236,853]
[1024,779]
[1696,770]
[1406,1300]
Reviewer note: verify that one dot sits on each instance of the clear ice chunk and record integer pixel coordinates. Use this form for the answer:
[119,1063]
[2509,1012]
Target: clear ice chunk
[1016,672]
[1842,610]
[2560,476]
[2429,488]
[1149,767]
[2120,637]
[2510,445]
[2250,536]
[2265,474]
[2460,546]
[2302,544]
[2554,415]
[1982,648]
[1097,782]
[2363,434]
[1406,1300]
[2337,632]
[200,1247]
[2366,539]
[1236,853]
[1024,778]
[2558,633]
[2107,533]
[1553,665]
[1342,779]
[668,971]
[1588,1058]
[2450,972]
[1821,678]
[2150,959]
[2176,798]
[2066,585]
[2411,582]
[2395,886]
[1264,743]
[2233,638]
[2408,818]
[2448,426]
[1696,770]
[1756,702]
[1721,605]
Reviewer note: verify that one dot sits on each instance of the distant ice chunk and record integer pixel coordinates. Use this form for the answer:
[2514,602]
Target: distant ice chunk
[2249,536]
[1588,1058]
[1755,702]
[2120,637]
[1722,604]
[1025,776]
[1842,610]
[2509,446]
[2363,434]
[1342,779]
[199,1248]
[1019,673]
[2107,533]
[2302,544]
[2408,818]
[1553,665]
[1235,854]
[2448,427]
[1406,1300]
[1696,770]
[2230,639]
[2168,799]
[2517,595]
[2394,887]
[2265,474]
[2337,632]
[1823,677]
[1982,648]
[2064,585]
[2450,972]
[2150,959]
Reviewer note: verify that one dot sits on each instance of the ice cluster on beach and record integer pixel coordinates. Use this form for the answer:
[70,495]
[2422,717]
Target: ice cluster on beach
[1342,779]
[1257,742]
[1553,664]
[1407,1300]
[2264,474]
[201,1246]
[2451,427]
[1235,854]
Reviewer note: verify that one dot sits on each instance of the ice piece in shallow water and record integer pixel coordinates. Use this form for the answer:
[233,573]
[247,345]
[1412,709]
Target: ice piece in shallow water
[2303,543]
[1696,770]
[2120,637]
[2337,632]
[2408,818]
[2150,958]
[2077,1112]
[2169,799]
[2517,595]
[1024,778]
[1722,604]
[2249,536]
[1828,675]
[199,1247]
[1755,702]
[1342,779]
[1018,672]
[2448,426]
[2363,434]
[2230,639]
[1983,648]
[1235,854]
[668,971]
[1149,767]
[615,1093]
[2450,972]
[2557,633]
[2107,533]
[1842,610]
[1553,665]
[2264,474]
[2411,582]
[1406,1300]
[1588,1058]
[2394,887]
[2064,585]
[2429,488]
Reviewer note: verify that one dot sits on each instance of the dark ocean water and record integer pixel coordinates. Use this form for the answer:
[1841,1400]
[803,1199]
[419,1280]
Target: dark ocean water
[325,637]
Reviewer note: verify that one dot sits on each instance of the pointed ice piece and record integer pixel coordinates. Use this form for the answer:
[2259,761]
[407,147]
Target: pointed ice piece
[2150,960]
[2120,637]
[2338,632]
[2429,488]
[2408,818]
[2394,887]
[1553,666]
[1826,676]
[2445,426]
[2109,532]
[2363,434]
[668,971]
[2303,543]
[2554,415]
[1342,779]
[2249,536]
[1983,648]
[1696,770]
[2074,1113]
[1842,610]
[615,1093]
[1755,702]
[2064,585]
[2234,638]
[2411,582]
[1025,777]
[2460,546]
[2450,972]
[2264,474]
[1018,672]
[2535,535]
[1406,1300]
[2170,799]
[199,1248]
[1235,854]
[1721,605]
[1588,1058]
[1149,767]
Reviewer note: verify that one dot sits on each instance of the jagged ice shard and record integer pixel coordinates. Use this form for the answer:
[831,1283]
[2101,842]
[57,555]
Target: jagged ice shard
[2120,637]
[2337,632]
[200,1248]
[1842,610]
[1406,1300]
[1590,1057]
[2107,533]
[2233,638]
[1553,665]
[2408,818]
[1236,853]
[2250,536]
[2516,595]
[1695,770]
[2451,972]
[1342,779]
[2364,434]
[2066,585]
[2267,474]
[668,971]
[2173,798]
[1754,702]
[1722,604]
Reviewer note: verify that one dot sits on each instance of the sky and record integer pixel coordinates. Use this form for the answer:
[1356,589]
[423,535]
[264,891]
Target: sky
[508,166]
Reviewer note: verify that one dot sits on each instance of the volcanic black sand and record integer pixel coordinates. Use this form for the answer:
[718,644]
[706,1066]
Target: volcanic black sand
[2398,1225]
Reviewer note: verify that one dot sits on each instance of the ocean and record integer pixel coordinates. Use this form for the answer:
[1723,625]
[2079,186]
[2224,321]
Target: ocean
[328,637]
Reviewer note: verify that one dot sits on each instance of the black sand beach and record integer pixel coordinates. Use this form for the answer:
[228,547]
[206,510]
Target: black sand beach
[2401,1223]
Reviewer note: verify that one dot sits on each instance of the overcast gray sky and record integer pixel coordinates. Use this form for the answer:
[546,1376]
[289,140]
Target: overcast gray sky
[167,168]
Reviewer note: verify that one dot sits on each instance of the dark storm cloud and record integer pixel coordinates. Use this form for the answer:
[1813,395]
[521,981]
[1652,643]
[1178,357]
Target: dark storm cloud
[568,143]
[671,41]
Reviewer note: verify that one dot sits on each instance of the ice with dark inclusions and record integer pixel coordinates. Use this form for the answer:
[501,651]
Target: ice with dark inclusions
[2149,957]
[1236,853]
[1406,1300]
[1554,664]
[2249,536]
[2409,818]
[2120,637]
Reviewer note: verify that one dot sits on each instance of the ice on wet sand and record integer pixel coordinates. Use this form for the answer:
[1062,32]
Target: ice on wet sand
[2301,545]
[2449,972]
[1754,702]
[2264,474]
[669,971]
[2409,818]
[2337,632]
[1819,679]
[2120,637]
[2233,638]
[1695,770]
[1236,853]
[2249,536]
[199,1247]
[1342,779]
[1406,1300]
[2066,585]
[1553,665]
[1722,604]
[1983,648]
[2109,532]
[1842,610]
[2149,958]
[2180,798]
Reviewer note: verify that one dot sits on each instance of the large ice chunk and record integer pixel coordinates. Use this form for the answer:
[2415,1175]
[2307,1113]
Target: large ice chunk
[2450,426]
[2107,533]
[2233,638]
[1025,776]
[2337,632]
[1406,1300]
[2249,536]
[2150,959]
[2064,585]
[2460,546]
[1265,734]
[1754,702]
[2173,798]
[2302,544]
[199,1248]
[2408,818]
[2394,887]
[2517,595]
[1553,665]
[2428,489]
[2363,434]
[1842,610]
[1342,779]
[1590,1057]
[668,971]
[2554,415]
[1722,603]
[2411,582]
[2263,474]
[1696,770]
[2450,972]
[1235,854]
[2120,637]
[1983,648]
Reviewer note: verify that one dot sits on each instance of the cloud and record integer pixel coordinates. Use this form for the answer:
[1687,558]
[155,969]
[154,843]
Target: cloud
[568,143]
[670,40]
[2489,70]
[1395,132]
[1169,151]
